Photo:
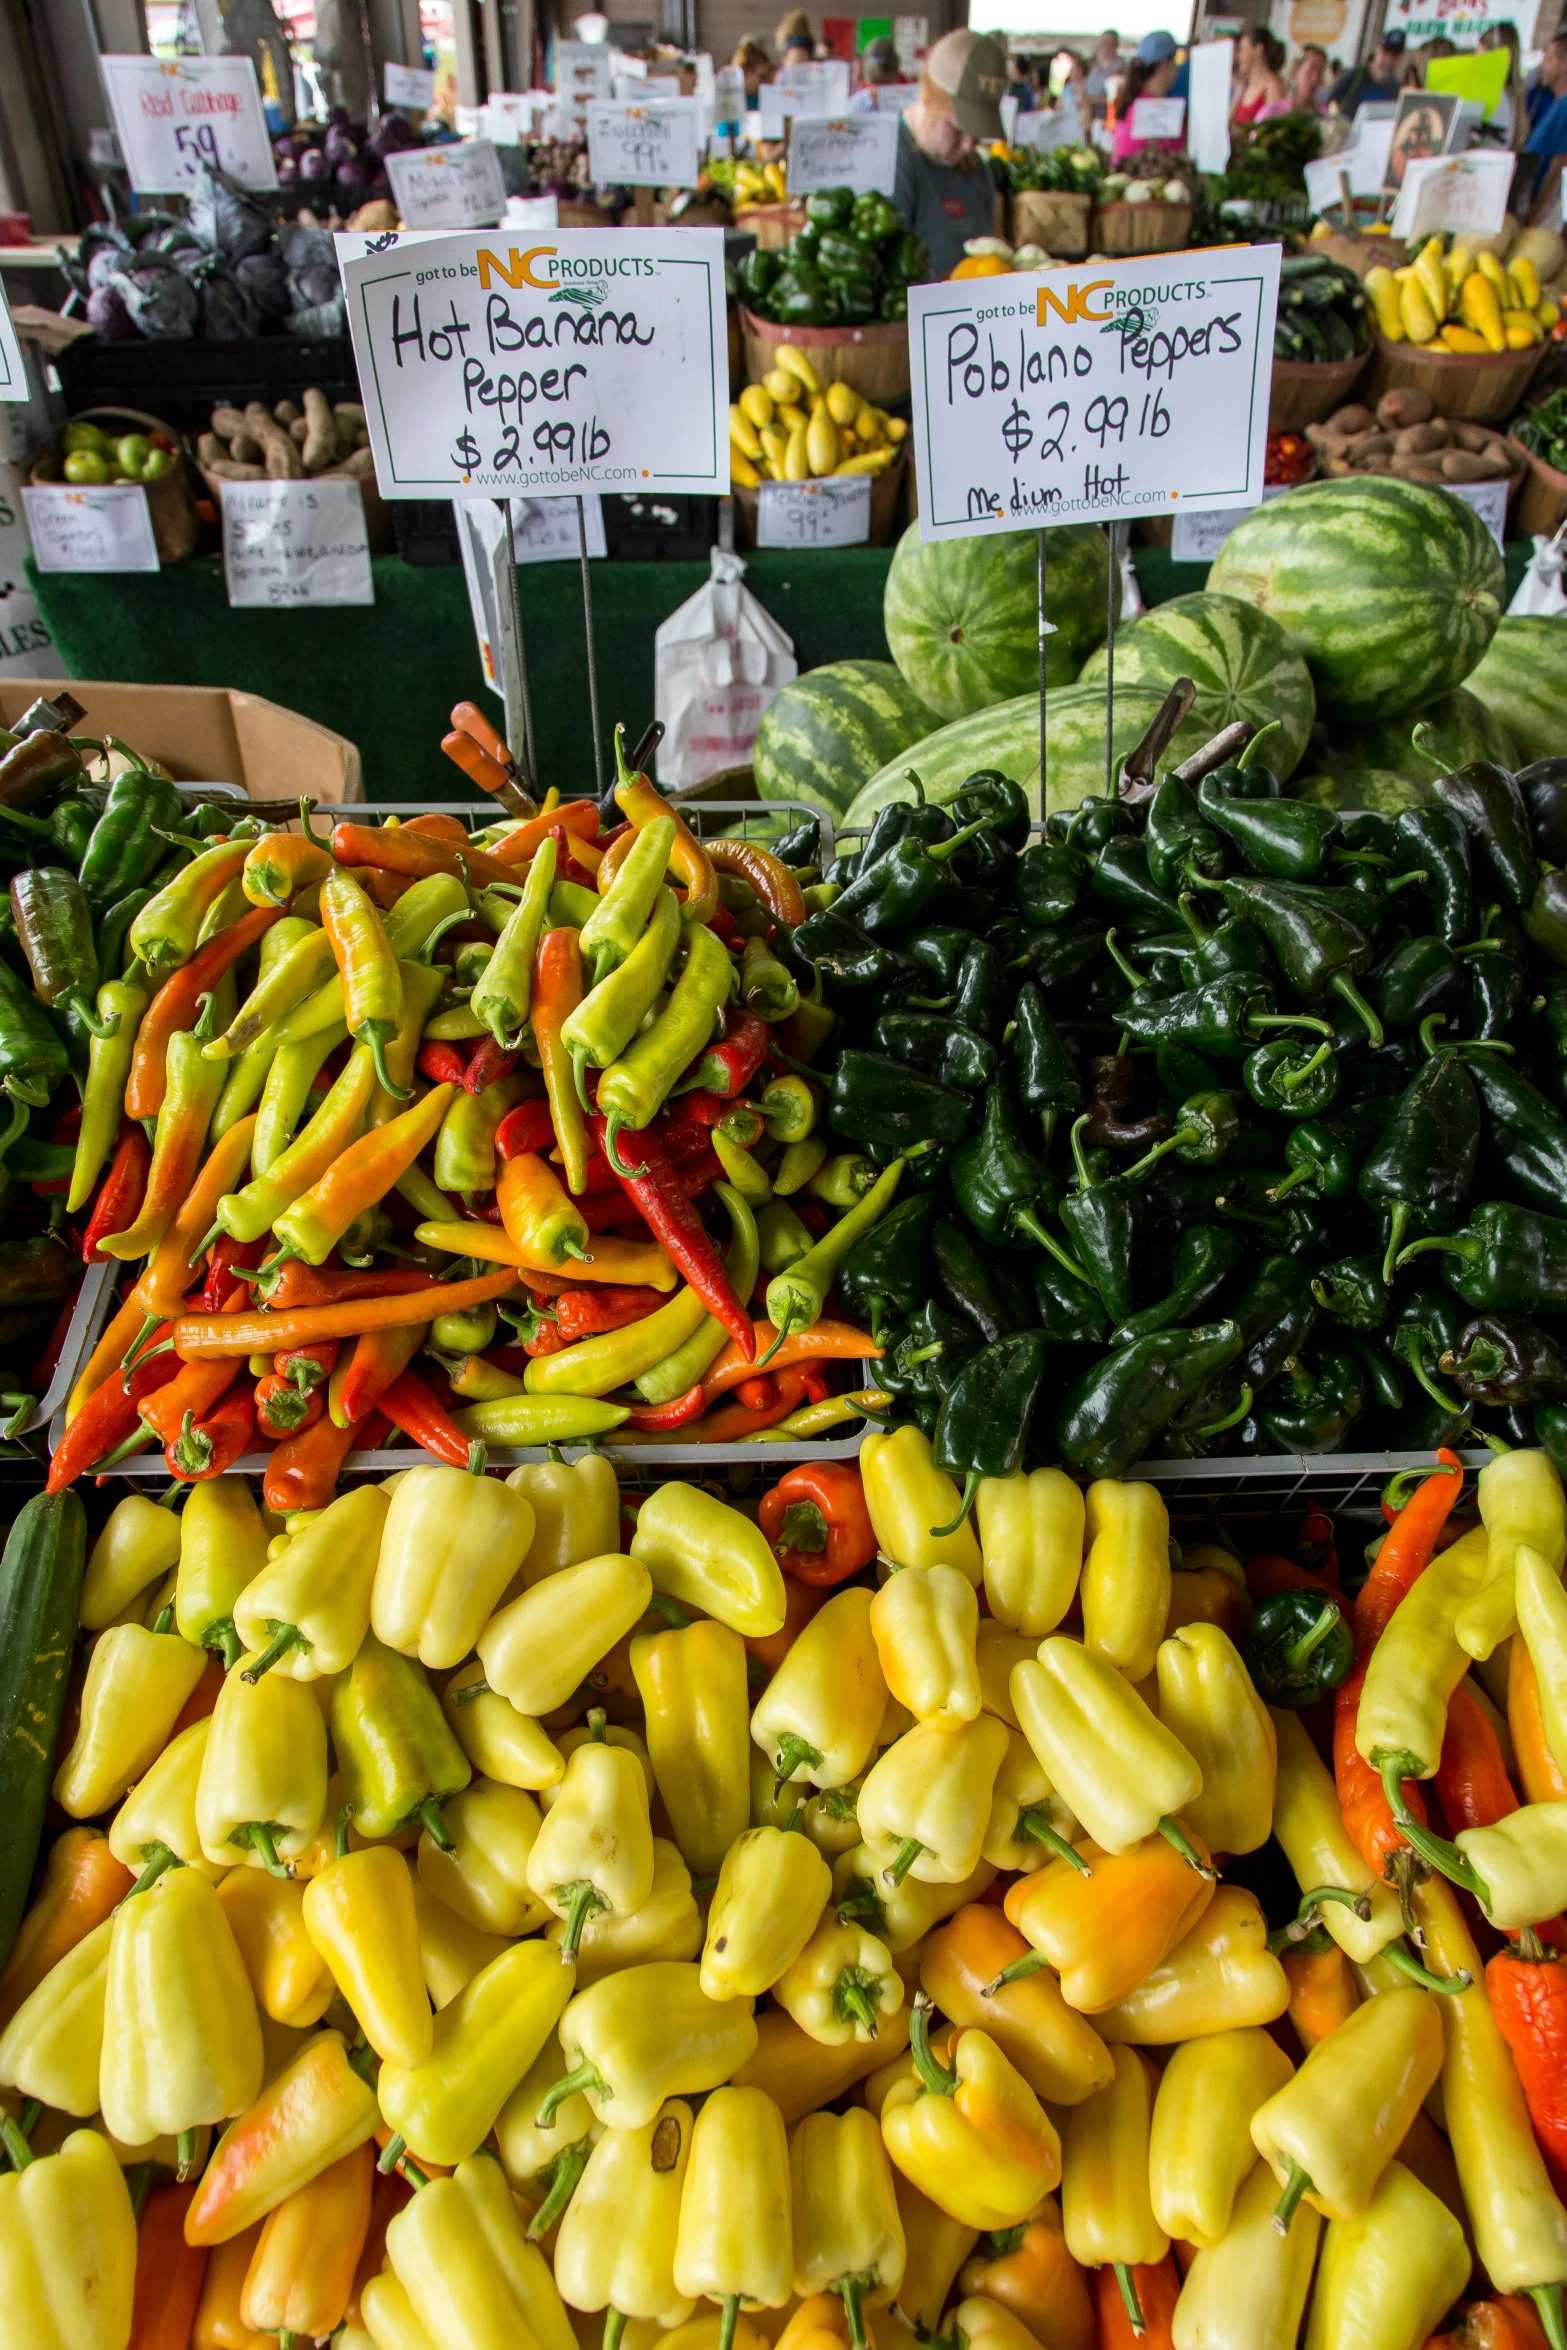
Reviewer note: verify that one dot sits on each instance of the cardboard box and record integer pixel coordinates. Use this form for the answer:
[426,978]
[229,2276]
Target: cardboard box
[209,734]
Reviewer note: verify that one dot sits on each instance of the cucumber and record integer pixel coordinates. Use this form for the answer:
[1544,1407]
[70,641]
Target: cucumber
[40,1590]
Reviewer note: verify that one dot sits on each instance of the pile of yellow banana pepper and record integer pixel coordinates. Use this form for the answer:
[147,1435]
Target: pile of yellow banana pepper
[516,1916]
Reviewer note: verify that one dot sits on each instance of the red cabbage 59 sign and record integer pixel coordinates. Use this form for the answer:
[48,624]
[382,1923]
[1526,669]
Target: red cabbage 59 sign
[1093,394]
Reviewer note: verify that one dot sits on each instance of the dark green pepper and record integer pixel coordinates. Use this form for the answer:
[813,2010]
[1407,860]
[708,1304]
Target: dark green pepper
[1044,1069]
[1112,1413]
[1427,1324]
[970,1284]
[1003,1190]
[937,1047]
[830,208]
[54,924]
[1434,840]
[1284,840]
[890,895]
[1420,976]
[1068,1311]
[1526,1130]
[1120,876]
[985,1414]
[1102,1221]
[875,1099]
[1317,945]
[1275,1313]
[1353,1291]
[1315,1411]
[1293,1080]
[1205,1127]
[1049,882]
[1095,821]
[929,1355]
[854,963]
[1492,809]
[1545,916]
[1229,946]
[125,849]
[981,995]
[1206,1257]
[883,1275]
[1299,1648]
[1496,988]
[1181,846]
[1422,1167]
[1223,1017]
[1504,1359]
[988,797]
[937,952]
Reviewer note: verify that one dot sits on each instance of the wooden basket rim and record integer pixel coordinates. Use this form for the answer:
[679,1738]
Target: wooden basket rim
[1466,362]
[822,338]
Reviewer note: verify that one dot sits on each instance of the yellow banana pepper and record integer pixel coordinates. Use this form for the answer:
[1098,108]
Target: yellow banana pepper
[287,1973]
[973,2137]
[1222,1973]
[67,2246]
[482,2044]
[818,1717]
[136,1686]
[937,2246]
[1415,1667]
[996,1651]
[451,1952]
[556,2153]
[696,1703]
[302,2270]
[1521,1501]
[615,2249]
[308,2115]
[1542,1621]
[1031,1544]
[1518,1867]
[704,1554]
[496,1738]
[1027,1817]
[1309,1825]
[450,1546]
[540,1647]
[772,1888]
[397,1759]
[1248,2291]
[181,2041]
[262,1791]
[841,1985]
[360,1915]
[1389,2275]
[648,2033]
[667,1925]
[848,2236]
[53,2046]
[1199,2147]
[139,1545]
[1107,2215]
[1126,1575]
[463,2269]
[576,1512]
[1207,1699]
[307,1613]
[1108,1756]
[223,1548]
[906,1495]
[1332,2130]
[898,1915]
[799,2074]
[964,1967]
[594,1852]
[925,1804]
[156,1824]
[480,1870]
[924,1621]
[1104,1921]
[734,2244]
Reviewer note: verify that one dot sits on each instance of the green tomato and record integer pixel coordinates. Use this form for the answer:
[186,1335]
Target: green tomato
[158,463]
[85,466]
[132,452]
[82,435]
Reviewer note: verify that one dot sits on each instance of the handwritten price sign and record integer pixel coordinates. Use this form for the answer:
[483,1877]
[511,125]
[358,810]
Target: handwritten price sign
[174,114]
[1100,393]
[655,143]
[858,151]
[586,359]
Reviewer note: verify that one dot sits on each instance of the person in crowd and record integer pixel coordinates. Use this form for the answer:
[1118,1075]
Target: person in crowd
[944,188]
[1538,179]
[1019,85]
[1105,70]
[1259,83]
[756,65]
[1376,77]
[796,26]
[878,62]
[1073,104]
[801,50]
[1413,76]
[1509,118]
[1305,79]
[1149,75]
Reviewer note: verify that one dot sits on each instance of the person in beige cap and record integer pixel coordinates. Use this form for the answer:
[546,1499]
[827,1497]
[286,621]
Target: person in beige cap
[944,187]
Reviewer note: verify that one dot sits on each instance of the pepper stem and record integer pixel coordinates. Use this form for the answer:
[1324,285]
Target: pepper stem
[1129,2301]
[1453,1405]
[391,2154]
[794,1753]
[785,1332]
[617,1165]
[937,2080]
[586,2075]
[563,2174]
[1397,1956]
[1032,1824]
[908,1853]
[1395,1768]
[155,1858]
[851,1997]
[1294,1078]
[728,2321]
[849,2290]
[223,1637]
[1451,1244]
[340,1829]
[185,2152]
[259,1835]
[15,2144]
[1128,970]
[1345,986]
[1296,1656]
[1173,1833]
[971,1485]
[435,1827]
[1021,1968]
[1029,1220]
[1398,1225]
[284,1637]
[660,1604]
[580,1900]
[1547,2300]
[1288,2204]
[378,1034]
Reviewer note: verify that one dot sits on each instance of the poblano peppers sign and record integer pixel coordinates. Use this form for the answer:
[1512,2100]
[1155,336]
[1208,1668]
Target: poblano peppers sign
[1093,394]
[495,363]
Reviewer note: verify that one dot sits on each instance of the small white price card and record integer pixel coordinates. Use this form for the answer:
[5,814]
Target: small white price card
[1197,538]
[814,513]
[1489,500]
[1110,390]
[1158,118]
[13,372]
[826,82]
[583,70]
[544,530]
[175,113]
[1210,71]
[587,359]
[858,151]
[897,97]
[107,529]
[532,212]
[287,543]
[1461,193]
[509,116]
[777,106]
[448,187]
[655,143]
[409,85]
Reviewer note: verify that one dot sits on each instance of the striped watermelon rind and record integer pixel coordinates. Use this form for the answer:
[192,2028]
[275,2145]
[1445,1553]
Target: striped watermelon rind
[1007,737]
[1522,681]
[962,615]
[1459,726]
[1359,787]
[825,733]
[1391,591]
[1241,662]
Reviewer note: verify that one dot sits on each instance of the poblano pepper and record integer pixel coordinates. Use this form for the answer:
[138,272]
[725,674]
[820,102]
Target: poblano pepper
[1120,875]
[1003,1190]
[1068,1311]
[1527,1131]
[1422,1167]
[1206,1257]
[1354,1292]
[969,1284]
[1314,1410]
[1506,1359]
[1420,976]
[1044,1071]
[883,1276]
[1434,840]
[1293,1080]
[937,1047]
[1496,988]
[855,963]
[1223,1017]
[1318,945]
[875,1099]
[1489,804]
[1284,840]
[1299,1648]
[986,1412]
[1181,845]
[1110,1416]
[1101,1220]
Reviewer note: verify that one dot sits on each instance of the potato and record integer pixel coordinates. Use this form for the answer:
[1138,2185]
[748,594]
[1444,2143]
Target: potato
[1470,436]
[1350,420]
[1381,462]
[281,455]
[1375,444]
[1466,465]
[352,409]
[1416,438]
[226,422]
[1410,465]
[297,431]
[209,449]
[1396,409]
[245,447]
[1544,248]
[320,433]
[286,412]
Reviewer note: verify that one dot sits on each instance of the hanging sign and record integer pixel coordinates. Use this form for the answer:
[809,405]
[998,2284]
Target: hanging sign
[592,359]
[174,114]
[1108,391]
[858,151]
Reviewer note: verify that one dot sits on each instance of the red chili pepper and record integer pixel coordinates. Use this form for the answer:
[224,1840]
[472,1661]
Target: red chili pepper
[566,866]
[731,1421]
[208,1448]
[529,1127]
[660,1195]
[727,1069]
[755,1393]
[282,1409]
[379,1357]
[1268,1572]
[722,923]
[1528,1995]
[694,1176]
[1472,1783]
[228,1257]
[488,1063]
[308,1367]
[442,1063]
[110,1414]
[699,1106]
[297,1284]
[303,1472]
[177,1005]
[678,1414]
[1316,1548]
[1157,2290]
[441,827]
[44,1369]
[169,2273]
[817,1522]
[195,1390]
[120,1194]
[411,1404]
[585,1312]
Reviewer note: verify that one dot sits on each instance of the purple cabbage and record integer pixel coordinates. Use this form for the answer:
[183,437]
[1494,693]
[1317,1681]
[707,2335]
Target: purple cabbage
[313,286]
[313,166]
[161,302]
[108,317]
[264,277]
[394,135]
[319,324]
[228,220]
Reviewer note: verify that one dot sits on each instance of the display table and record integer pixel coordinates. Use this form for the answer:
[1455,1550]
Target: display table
[387,674]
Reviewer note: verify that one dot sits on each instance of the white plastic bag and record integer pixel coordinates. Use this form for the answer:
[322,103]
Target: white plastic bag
[1540,589]
[717,663]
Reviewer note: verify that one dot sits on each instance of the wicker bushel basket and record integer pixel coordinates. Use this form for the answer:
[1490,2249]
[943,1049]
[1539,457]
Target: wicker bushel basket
[1126,229]
[1480,390]
[1540,507]
[1308,391]
[772,225]
[874,359]
[171,499]
[885,488]
[1052,218]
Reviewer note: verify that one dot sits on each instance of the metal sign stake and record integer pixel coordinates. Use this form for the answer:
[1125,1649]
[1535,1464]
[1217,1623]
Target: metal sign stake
[587,624]
[1117,533]
[522,657]
[1044,808]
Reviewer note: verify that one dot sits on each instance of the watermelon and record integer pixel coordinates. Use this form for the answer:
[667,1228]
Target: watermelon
[1359,787]
[1458,727]
[962,615]
[1391,591]
[825,734]
[1523,682]
[1241,662]
[1007,737]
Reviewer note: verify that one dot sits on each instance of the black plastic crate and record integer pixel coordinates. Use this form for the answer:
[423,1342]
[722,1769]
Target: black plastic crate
[425,530]
[183,382]
[659,527]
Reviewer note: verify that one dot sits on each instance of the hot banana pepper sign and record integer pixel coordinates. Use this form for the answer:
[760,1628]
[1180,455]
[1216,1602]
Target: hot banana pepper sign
[588,360]
[1095,394]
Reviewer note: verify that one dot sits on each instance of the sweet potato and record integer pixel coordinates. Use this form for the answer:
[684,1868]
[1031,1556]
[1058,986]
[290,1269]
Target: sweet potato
[226,422]
[1408,406]
[1468,465]
[1415,439]
[320,443]
[1350,420]
[287,412]
[282,459]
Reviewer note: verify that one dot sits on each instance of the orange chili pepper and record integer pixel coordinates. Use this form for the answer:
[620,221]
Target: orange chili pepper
[195,1388]
[411,1404]
[302,2270]
[161,1289]
[396,848]
[1508,2323]
[271,1333]
[279,864]
[303,1472]
[82,1884]
[1157,2291]
[176,1004]
[388,2194]
[1323,1992]
[557,991]
[823,1341]
[360,1176]
[210,1447]
[170,2273]
[1540,1774]
[1527,1989]
[378,1358]
[638,800]
[580,819]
